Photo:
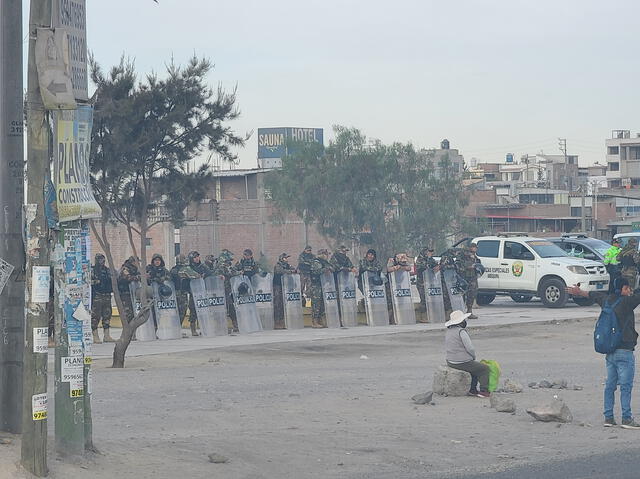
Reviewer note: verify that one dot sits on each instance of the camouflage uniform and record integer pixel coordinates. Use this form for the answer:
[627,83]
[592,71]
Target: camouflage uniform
[201,269]
[448,261]
[423,261]
[225,268]
[318,266]
[392,263]
[157,274]
[181,275]
[467,266]
[281,267]
[101,290]
[248,267]
[630,260]
[304,268]
[129,273]
[365,265]
[340,261]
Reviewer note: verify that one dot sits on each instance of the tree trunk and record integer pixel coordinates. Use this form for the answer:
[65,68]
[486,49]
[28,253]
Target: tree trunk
[128,329]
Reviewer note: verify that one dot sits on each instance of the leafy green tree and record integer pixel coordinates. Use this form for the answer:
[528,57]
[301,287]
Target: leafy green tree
[144,137]
[391,194]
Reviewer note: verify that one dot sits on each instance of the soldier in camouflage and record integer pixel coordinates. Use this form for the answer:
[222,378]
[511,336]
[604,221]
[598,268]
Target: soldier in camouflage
[281,268]
[225,268]
[319,266]
[128,274]
[210,262]
[247,265]
[448,261]
[369,263]
[156,270]
[467,269]
[181,275]
[196,264]
[400,261]
[340,261]
[423,261]
[101,290]
[630,261]
[304,268]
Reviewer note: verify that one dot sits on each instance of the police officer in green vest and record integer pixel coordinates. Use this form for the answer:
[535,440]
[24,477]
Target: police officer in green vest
[612,263]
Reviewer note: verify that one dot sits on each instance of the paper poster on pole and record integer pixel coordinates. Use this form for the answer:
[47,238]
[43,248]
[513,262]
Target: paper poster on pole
[5,273]
[72,145]
[40,281]
[39,406]
[40,340]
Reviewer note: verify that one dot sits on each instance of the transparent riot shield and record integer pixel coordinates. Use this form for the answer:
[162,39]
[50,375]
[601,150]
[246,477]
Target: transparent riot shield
[375,299]
[263,289]
[347,296]
[215,300]
[245,303]
[401,297]
[456,295]
[433,296]
[165,306]
[292,300]
[209,306]
[330,299]
[146,332]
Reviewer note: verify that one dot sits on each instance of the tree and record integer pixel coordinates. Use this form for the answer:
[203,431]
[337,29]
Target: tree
[392,195]
[144,137]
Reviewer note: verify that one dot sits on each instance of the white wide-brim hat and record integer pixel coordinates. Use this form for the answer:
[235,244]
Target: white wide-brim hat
[456,318]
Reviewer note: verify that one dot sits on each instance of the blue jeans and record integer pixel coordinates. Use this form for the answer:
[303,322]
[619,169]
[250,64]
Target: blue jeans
[621,366]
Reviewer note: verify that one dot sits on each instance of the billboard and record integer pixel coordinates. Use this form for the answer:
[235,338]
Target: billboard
[272,142]
[72,144]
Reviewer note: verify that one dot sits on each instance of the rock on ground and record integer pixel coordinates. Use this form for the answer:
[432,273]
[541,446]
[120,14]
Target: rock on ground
[451,382]
[424,398]
[217,458]
[555,410]
[511,386]
[502,403]
[544,384]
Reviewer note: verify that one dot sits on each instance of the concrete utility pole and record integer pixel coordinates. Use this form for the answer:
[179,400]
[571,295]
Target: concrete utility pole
[11,198]
[34,401]
[583,213]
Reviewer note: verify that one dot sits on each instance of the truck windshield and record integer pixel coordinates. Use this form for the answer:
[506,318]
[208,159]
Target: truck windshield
[546,249]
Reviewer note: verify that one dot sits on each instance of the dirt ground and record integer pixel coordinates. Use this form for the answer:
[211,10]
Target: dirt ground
[315,409]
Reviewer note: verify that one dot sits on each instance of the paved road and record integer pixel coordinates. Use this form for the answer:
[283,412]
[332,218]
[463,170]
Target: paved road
[614,465]
[503,311]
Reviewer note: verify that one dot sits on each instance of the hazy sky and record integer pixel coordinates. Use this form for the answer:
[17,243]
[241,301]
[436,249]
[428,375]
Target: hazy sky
[492,76]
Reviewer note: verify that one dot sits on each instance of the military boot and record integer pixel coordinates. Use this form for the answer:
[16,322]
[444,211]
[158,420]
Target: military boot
[192,325]
[107,336]
[96,337]
[470,311]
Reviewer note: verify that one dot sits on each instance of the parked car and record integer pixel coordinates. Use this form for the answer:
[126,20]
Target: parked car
[582,246]
[522,267]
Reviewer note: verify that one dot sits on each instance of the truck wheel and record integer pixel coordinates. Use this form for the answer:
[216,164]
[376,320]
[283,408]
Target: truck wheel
[583,301]
[521,298]
[553,294]
[484,299]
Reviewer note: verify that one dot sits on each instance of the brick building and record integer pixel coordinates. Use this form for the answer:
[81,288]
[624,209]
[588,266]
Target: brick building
[236,214]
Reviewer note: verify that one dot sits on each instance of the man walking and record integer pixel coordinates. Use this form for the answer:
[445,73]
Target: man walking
[620,363]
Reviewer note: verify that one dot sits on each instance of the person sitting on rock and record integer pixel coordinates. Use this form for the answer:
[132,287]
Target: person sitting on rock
[460,354]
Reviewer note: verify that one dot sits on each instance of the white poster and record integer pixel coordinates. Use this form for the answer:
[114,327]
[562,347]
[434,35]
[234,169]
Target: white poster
[39,406]
[40,340]
[40,278]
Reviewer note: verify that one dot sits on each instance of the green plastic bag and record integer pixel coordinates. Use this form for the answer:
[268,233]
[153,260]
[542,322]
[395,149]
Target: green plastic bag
[494,373]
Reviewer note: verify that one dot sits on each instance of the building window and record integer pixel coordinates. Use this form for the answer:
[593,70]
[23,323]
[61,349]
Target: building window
[634,153]
[147,242]
[614,166]
[613,150]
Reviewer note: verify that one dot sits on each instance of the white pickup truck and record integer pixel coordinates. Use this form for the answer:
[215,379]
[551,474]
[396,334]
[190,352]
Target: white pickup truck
[523,267]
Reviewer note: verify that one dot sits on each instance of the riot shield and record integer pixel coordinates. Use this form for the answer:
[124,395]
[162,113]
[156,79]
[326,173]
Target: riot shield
[433,296]
[263,288]
[166,310]
[456,295]
[401,297]
[206,301]
[292,300]
[347,295]
[375,299]
[330,299]
[146,332]
[245,303]
[218,326]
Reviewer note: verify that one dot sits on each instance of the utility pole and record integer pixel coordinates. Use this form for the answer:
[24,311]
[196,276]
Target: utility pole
[582,209]
[562,145]
[11,197]
[34,400]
